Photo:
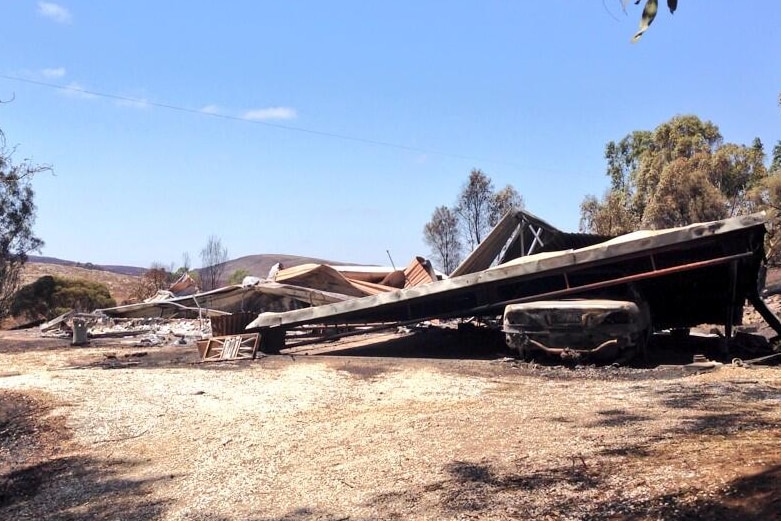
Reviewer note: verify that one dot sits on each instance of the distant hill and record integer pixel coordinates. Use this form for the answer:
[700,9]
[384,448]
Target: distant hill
[120,285]
[133,271]
[259,265]
[121,280]
[256,265]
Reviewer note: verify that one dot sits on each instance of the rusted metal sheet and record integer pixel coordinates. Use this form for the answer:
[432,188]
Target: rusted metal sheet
[184,285]
[419,272]
[374,274]
[395,279]
[325,278]
[233,324]
[370,288]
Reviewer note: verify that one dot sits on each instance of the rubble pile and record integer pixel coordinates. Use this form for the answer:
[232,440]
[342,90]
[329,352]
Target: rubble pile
[683,277]
[146,332]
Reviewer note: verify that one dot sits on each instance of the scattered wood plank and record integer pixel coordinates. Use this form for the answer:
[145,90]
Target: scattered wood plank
[231,347]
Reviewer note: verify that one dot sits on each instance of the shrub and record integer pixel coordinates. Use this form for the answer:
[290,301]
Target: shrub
[50,296]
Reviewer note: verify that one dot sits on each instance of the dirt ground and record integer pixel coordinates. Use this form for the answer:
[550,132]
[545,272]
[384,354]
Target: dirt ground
[112,431]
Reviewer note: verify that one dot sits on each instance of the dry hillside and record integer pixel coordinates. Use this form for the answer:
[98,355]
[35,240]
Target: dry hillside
[259,265]
[119,285]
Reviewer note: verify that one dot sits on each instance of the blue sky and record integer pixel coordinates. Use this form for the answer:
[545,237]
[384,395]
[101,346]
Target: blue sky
[333,129]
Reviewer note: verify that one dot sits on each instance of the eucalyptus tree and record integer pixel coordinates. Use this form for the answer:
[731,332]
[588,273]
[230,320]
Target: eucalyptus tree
[474,206]
[679,173]
[441,234]
[17,216]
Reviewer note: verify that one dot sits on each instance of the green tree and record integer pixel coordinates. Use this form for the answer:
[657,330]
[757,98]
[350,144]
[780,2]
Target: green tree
[767,195]
[679,173]
[735,170]
[775,163]
[611,216]
[238,276]
[441,234]
[684,195]
[17,216]
[50,296]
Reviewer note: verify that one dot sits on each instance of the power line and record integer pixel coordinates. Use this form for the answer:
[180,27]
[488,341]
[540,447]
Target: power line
[291,128]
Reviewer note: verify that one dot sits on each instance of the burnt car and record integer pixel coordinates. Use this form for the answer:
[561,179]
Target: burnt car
[594,330]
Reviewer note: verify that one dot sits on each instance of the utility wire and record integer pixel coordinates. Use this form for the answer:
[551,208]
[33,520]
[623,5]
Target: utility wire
[249,120]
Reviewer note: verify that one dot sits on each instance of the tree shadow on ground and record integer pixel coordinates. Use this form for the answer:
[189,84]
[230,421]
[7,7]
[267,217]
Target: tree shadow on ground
[298,514]
[474,486]
[43,476]
[617,417]
[571,491]
[720,408]
[481,489]
[591,487]
[756,497]
[76,488]
[715,395]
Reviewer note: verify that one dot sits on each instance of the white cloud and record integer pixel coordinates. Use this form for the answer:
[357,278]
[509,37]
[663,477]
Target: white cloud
[58,72]
[77,91]
[210,109]
[134,103]
[270,113]
[54,12]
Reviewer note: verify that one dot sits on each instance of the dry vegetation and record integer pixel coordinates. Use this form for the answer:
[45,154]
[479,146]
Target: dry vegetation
[116,432]
[120,286]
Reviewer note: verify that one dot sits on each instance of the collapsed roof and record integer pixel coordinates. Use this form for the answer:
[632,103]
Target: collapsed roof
[290,288]
[519,234]
[701,273]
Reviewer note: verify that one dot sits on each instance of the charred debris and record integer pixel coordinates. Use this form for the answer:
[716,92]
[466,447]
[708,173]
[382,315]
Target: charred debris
[704,273]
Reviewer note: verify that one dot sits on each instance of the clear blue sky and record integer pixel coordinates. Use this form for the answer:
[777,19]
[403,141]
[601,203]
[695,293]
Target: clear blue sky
[333,129]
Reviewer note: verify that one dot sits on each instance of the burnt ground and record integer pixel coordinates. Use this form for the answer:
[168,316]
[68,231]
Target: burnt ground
[435,425]
[485,343]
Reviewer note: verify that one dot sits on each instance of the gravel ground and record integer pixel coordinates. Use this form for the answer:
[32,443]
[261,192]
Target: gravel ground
[116,432]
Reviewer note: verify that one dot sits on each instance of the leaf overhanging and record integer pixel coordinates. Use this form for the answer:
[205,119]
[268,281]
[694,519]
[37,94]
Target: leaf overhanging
[649,13]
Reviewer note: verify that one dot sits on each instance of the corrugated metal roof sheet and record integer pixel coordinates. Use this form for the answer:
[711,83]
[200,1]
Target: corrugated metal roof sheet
[419,272]
[693,263]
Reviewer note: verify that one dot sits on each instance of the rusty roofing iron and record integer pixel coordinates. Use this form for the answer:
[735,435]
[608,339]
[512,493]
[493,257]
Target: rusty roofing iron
[306,284]
[419,272]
